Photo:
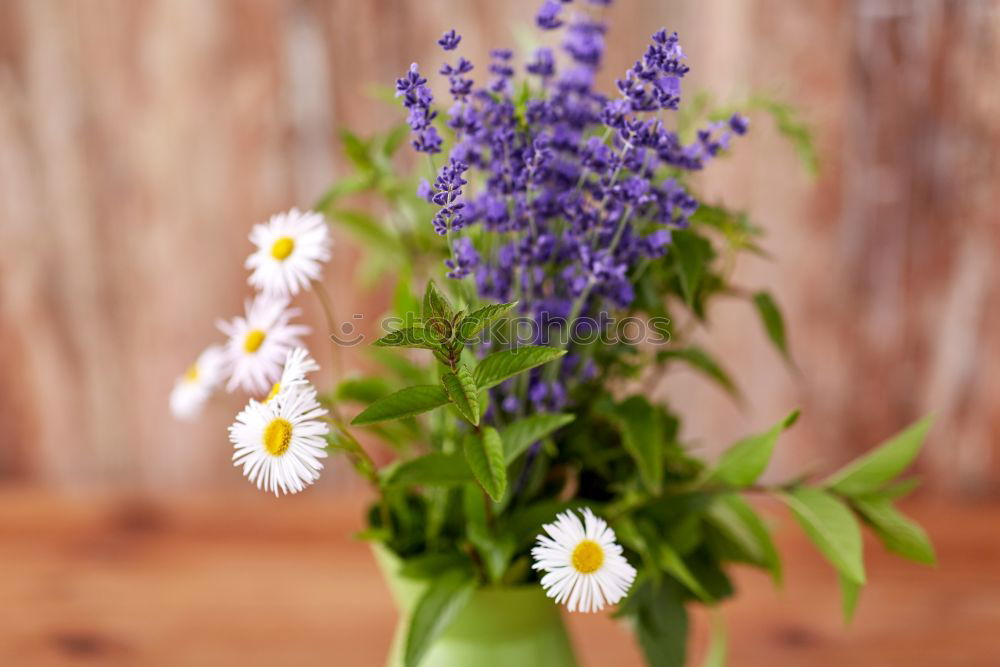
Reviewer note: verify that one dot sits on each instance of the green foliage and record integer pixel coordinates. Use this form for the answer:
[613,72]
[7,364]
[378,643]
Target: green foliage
[774,323]
[444,599]
[479,319]
[898,534]
[731,514]
[701,361]
[403,403]
[521,434]
[745,461]
[464,394]
[832,528]
[484,452]
[435,468]
[661,622]
[690,253]
[505,364]
[642,437]
[874,470]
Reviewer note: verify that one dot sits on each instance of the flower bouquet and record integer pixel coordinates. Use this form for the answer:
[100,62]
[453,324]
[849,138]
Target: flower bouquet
[533,470]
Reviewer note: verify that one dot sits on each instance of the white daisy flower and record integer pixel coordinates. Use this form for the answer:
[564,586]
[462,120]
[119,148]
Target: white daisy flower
[290,247]
[297,364]
[280,443]
[584,566]
[201,379]
[259,343]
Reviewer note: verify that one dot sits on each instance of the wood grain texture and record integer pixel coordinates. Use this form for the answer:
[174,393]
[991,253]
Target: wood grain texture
[243,579]
[140,140]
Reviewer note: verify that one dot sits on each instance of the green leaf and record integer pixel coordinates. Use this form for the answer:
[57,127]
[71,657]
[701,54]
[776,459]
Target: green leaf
[433,565]
[404,403]
[701,361]
[356,149]
[897,532]
[463,393]
[342,188]
[850,591]
[366,229]
[832,528]
[731,514]
[872,471]
[717,640]
[434,611]
[484,452]
[505,364]
[433,469]
[774,323]
[671,563]
[792,128]
[479,319]
[745,461]
[417,337]
[520,435]
[394,139]
[436,304]
[661,623]
[362,389]
[691,256]
[642,437]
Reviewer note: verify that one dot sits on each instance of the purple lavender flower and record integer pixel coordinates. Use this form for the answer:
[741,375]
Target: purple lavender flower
[449,41]
[465,259]
[447,195]
[417,98]
[548,16]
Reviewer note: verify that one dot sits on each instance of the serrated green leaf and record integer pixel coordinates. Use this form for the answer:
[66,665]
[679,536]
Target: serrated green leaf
[520,435]
[642,436]
[774,323]
[745,461]
[897,532]
[433,469]
[831,526]
[484,453]
[700,360]
[850,591]
[404,403]
[416,337]
[463,393]
[505,364]
[734,516]
[479,319]
[436,304]
[874,470]
[691,257]
[444,599]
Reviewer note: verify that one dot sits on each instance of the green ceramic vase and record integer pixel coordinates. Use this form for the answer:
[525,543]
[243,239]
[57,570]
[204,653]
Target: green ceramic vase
[499,627]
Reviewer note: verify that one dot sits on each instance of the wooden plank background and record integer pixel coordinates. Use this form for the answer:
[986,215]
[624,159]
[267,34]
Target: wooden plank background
[139,140]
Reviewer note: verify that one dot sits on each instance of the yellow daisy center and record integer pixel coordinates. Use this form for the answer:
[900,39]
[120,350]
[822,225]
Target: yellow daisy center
[588,557]
[282,248]
[191,374]
[253,341]
[278,436]
[274,392]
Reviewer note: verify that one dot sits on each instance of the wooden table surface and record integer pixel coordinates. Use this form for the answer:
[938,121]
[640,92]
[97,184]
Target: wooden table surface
[248,580]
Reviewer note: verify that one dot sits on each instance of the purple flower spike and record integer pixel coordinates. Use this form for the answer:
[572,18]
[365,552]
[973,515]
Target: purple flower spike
[449,41]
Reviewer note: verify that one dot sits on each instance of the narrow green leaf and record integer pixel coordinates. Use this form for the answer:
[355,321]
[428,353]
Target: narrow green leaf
[701,361]
[433,565]
[832,528]
[850,591]
[717,641]
[520,435]
[366,229]
[897,532]
[505,364]
[484,452]
[463,393]
[394,139]
[417,337]
[872,471]
[691,256]
[404,403]
[745,461]
[479,319]
[340,189]
[642,436]
[356,149]
[433,469]
[362,389]
[734,516]
[435,610]
[671,562]
[774,323]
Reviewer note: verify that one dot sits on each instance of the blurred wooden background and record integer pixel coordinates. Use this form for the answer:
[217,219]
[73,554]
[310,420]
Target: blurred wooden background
[139,140]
